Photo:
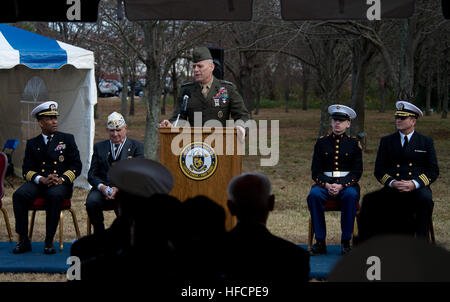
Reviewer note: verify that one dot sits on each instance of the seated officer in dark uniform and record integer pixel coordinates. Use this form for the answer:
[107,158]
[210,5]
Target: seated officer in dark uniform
[336,169]
[106,154]
[215,99]
[406,165]
[51,164]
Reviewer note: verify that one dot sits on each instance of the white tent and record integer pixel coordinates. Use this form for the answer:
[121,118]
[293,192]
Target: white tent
[35,68]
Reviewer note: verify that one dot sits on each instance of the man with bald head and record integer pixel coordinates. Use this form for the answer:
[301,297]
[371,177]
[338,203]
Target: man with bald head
[253,253]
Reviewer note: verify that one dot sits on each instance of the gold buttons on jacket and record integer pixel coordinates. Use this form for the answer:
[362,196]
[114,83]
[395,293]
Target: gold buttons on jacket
[398,166]
[43,162]
[410,164]
[43,170]
[55,162]
[409,173]
[337,141]
[397,174]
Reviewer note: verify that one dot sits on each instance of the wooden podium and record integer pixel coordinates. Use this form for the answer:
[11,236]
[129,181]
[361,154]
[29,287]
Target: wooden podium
[202,162]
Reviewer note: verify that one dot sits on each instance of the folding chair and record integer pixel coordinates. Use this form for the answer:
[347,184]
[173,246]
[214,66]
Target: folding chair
[39,205]
[3,165]
[9,148]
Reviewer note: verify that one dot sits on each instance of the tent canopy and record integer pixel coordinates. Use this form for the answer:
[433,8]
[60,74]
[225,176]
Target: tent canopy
[33,69]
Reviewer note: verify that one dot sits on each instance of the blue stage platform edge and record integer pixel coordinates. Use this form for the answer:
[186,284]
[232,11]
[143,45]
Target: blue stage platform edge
[37,262]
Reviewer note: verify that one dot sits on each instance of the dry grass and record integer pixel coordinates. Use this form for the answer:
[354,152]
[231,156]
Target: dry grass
[291,177]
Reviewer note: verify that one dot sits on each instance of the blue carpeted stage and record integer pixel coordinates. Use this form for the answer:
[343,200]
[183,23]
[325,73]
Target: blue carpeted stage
[37,262]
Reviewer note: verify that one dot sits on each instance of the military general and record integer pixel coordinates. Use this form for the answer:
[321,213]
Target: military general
[214,99]
[50,166]
[336,169]
[406,165]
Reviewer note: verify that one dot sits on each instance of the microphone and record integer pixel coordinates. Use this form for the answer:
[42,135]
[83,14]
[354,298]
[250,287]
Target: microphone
[186,96]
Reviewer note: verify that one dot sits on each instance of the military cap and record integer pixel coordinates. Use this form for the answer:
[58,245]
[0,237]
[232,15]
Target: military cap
[49,108]
[341,112]
[115,121]
[201,54]
[407,109]
[141,177]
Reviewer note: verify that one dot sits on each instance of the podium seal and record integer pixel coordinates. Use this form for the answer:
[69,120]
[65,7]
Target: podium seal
[198,161]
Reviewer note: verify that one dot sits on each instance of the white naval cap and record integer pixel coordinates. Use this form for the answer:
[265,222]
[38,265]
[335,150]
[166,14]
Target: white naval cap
[115,121]
[407,109]
[49,108]
[341,112]
[142,177]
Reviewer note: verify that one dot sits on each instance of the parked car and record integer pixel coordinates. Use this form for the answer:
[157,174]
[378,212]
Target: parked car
[107,88]
[138,88]
[119,86]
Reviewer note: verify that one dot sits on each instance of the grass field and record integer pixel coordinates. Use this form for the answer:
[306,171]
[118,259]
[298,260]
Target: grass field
[291,177]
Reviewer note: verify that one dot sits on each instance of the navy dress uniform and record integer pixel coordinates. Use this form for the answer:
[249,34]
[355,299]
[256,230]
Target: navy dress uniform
[408,156]
[217,100]
[105,155]
[46,155]
[337,159]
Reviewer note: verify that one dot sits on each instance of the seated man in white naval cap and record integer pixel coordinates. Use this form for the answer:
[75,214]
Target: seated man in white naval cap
[51,164]
[406,165]
[336,169]
[107,153]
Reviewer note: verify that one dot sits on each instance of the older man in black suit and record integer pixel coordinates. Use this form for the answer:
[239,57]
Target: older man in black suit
[406,165]
[252,252]
[51,164]
[106,154]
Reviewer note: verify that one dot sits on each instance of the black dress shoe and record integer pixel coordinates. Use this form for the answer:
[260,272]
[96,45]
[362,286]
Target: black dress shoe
[345,247]
[23,246]
[318,248]
[49,249]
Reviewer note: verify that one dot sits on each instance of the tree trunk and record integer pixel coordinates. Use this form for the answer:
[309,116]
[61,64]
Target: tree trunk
[406,72]
[428,97]
[328,98]
[439,85]
[445,97]
[245,81]
[305,85]
[286,99]
[152,95]
[124,99]
[382,95]
[174,84]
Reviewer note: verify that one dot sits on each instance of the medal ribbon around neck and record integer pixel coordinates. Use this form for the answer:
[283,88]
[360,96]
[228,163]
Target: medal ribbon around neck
[115,155]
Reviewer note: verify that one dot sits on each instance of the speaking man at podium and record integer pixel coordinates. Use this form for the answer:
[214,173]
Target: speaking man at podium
[215,99]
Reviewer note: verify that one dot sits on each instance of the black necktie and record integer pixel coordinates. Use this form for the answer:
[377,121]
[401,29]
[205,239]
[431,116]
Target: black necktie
[49,139]
[405,143]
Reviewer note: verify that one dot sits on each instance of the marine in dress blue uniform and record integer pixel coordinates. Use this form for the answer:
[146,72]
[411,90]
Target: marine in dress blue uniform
[336,169]
[50,166]
[107,153]
[406,165]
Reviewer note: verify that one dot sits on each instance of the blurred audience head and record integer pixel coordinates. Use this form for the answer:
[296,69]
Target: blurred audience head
[249,197]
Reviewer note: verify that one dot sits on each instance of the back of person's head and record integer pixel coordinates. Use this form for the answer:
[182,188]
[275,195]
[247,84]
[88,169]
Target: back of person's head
[250,198]
[382,213]
[201,217]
